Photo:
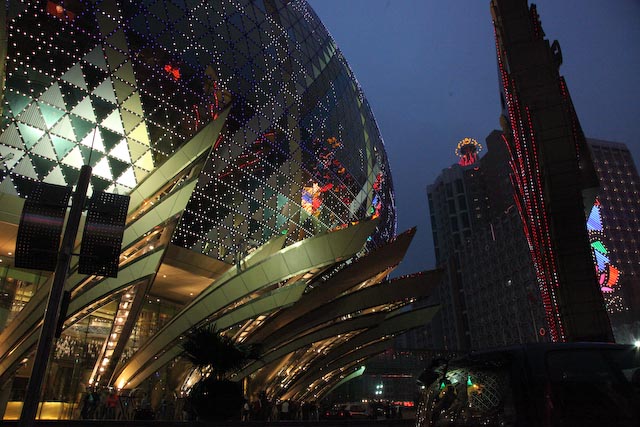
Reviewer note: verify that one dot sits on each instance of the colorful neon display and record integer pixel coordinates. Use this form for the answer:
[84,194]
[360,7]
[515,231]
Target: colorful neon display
[608,275]
[467,150]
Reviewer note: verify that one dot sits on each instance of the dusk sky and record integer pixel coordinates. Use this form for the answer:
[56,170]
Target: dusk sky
[428,69]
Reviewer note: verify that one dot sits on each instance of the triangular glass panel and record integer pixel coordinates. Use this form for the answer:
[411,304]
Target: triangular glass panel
[136,149]
[167,38]
[129,120]
[93,76]
[140,134]
[118,40]
[94,140]
[17,102]
[125,72]
[113,122]
[74,158]
[140,173]
[110,8]
[84,109]
[6,187]
[105,91]
[123,90]
[145,162]
[106,23]
[30,135]
[42,166]
[174,12]
[81,126]
[96,57]
[158,10]
[31,81]
[56,177]
[44,148]
[134,104]
[10,136]
[71,174]
[117,166]
[101,108]
[74,76]
[32,116]
[114,58]
[109,139]
[25,168]
[121,152]
[102,169]
[62,146]
[155,133]
[139,22]
[63,128]
[99,184]
[50,114]
[70,94]
[10,156]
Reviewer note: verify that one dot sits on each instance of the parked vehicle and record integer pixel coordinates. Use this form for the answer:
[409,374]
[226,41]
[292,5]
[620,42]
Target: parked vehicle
[548,385]
[356,410]
[347,410]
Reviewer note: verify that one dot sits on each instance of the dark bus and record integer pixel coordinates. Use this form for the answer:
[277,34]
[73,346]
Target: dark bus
[547,385]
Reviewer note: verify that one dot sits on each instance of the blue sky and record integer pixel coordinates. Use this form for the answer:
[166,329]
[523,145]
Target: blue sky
[428,69]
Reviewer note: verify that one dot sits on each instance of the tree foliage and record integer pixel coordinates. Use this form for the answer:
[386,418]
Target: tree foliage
[214,397]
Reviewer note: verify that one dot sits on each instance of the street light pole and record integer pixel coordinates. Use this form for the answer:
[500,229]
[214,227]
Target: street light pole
[48,330]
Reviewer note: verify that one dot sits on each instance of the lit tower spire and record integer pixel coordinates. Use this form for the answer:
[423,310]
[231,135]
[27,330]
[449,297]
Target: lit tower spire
[467,150]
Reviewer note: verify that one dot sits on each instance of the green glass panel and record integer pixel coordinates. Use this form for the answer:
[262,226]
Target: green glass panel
[62,146]
[101,107]
[109,139]
[50,114]
[99,184]
[71,94]
[43,166]
[117,166]
[30,135]
[81,126]
[71,174]
[17,102]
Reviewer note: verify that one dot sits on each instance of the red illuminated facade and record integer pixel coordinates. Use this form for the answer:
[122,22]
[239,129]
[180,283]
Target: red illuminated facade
[552,173]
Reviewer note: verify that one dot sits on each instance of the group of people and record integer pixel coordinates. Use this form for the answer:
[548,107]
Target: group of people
[261,408]
[107,404]
[102,404]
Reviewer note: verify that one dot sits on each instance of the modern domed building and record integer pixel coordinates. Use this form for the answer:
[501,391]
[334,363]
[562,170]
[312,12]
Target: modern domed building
[261,196]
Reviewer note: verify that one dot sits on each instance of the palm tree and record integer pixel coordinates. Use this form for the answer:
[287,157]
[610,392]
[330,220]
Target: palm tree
[216,356]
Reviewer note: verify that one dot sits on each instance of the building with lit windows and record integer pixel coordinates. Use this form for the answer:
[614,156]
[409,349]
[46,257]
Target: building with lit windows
[614,230]
[489,294]
[260,194]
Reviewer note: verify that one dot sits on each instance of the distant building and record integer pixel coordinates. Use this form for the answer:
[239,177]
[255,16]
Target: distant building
[489,295]
[458,205]
[502,296]
[614,228]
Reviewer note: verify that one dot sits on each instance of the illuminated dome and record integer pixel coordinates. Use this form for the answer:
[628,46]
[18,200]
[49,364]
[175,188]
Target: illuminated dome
[260,194]
[132,83]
